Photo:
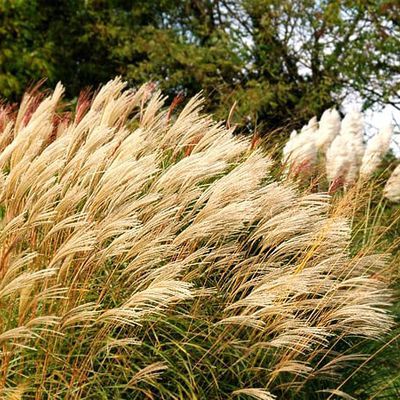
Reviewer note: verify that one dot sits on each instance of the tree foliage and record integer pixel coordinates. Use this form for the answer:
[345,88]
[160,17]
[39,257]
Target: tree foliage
[280,60]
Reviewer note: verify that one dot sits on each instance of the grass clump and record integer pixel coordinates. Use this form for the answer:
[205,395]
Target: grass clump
[145,255]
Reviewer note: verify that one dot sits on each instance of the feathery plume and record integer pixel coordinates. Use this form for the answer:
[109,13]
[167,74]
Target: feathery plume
[392,188]
[376,149]
[352,128]
[300,152]
[341,161]
[329,127]
[344,156]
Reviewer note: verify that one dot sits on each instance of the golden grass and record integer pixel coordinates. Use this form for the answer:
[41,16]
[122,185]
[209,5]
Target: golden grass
[124,218]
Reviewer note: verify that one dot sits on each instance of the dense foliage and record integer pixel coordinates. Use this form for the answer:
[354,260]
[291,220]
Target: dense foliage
[281,60]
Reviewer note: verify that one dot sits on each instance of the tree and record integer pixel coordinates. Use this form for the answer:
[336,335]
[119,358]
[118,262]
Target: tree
[282,61]
[24,55]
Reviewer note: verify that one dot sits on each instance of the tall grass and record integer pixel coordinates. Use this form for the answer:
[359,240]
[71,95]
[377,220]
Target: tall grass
[376,227]
[146,254]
